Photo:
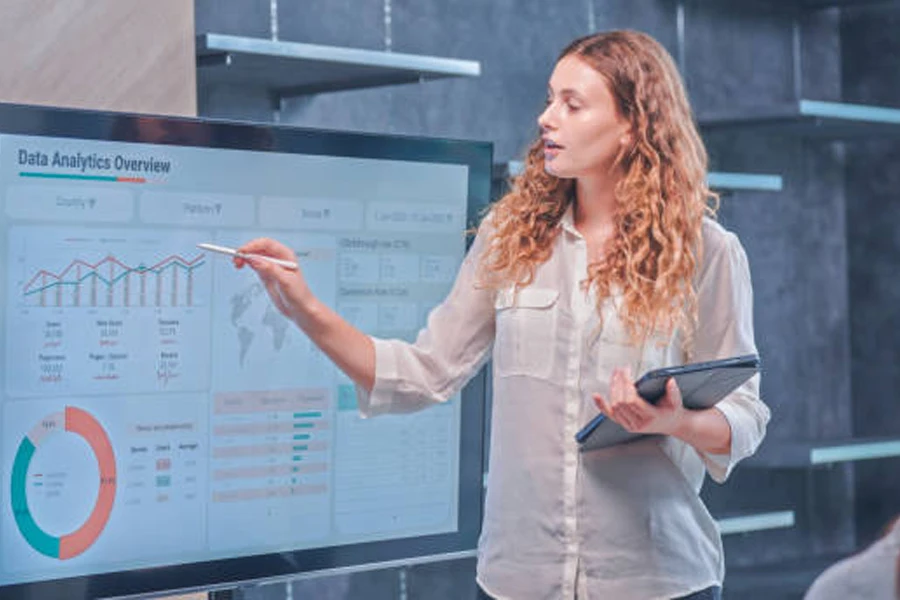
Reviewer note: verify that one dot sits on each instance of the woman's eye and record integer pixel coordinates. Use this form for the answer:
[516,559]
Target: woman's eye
[573,107]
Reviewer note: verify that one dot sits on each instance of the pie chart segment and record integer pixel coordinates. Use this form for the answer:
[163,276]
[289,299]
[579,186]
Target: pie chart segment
[73,421]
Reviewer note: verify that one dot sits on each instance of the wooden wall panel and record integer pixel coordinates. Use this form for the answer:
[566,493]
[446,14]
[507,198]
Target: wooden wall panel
[122,55]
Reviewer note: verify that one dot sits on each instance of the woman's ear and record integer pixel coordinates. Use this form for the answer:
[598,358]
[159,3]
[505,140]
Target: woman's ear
[626,145]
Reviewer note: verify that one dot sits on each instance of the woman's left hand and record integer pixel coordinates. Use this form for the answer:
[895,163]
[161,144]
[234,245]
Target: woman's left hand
[635,414]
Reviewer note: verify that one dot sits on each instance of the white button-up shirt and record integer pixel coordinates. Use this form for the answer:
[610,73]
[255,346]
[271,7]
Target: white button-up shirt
[623,522]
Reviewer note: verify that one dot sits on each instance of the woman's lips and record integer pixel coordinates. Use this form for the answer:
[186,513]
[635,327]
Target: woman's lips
[551,149]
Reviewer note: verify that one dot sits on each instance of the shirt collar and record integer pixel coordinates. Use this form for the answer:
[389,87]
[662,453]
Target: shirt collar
[567,222]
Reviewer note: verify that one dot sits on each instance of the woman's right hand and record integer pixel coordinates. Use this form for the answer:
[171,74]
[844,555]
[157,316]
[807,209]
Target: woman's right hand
[286,287]
[350,349]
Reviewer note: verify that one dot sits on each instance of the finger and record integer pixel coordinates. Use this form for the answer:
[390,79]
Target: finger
[616,395]
[624,386]
[268,276]
[628,386]
[270,270]
[640,407]
[672,397]
[672,388]
[267,272]
[268,247]
[629,415]
[624,417]
[274,291]
[601,404]
[264,268]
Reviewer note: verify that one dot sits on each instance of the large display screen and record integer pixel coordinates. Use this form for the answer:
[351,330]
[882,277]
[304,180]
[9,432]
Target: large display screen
[163,426]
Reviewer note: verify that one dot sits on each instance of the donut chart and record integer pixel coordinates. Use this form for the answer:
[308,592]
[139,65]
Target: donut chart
[79,422]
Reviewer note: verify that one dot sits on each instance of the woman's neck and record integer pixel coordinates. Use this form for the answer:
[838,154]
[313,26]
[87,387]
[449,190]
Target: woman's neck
[595,204]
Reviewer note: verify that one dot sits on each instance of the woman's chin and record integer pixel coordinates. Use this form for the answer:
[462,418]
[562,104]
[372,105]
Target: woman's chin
[556,170]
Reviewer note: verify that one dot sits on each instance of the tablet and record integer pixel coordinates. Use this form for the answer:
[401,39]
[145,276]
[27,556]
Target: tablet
[702,384]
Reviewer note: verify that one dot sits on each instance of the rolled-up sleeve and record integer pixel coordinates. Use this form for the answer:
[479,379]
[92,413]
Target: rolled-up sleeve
[725,329]
[448,351]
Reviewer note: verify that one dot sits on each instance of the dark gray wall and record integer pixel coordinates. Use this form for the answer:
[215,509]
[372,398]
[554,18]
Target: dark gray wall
[820,258]
[736,58]
[871,62]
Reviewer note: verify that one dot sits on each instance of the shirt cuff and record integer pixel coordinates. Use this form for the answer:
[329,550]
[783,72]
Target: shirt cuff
[719,466]
[380,399]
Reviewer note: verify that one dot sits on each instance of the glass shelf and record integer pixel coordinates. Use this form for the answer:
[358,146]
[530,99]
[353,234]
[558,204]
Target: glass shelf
[747,522]
[716,180]
[777,454]
[294,69]
[810,118]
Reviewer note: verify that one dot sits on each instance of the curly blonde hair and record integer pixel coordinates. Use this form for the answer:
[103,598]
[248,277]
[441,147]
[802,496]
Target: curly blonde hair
[661,196]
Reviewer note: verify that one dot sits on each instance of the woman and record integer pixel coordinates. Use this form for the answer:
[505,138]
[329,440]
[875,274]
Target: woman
[598,265]
[873,574]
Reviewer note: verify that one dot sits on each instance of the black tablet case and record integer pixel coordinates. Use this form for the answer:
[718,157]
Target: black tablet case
[702,385]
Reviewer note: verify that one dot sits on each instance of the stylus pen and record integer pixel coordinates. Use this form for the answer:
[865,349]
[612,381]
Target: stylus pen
[287,264]
[586,432]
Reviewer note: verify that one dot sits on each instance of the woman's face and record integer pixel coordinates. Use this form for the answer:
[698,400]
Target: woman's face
[581,127]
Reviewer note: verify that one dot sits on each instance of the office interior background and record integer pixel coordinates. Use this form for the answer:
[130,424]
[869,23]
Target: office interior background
[799,105]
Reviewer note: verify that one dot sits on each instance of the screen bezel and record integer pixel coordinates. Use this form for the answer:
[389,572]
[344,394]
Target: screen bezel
[220,134]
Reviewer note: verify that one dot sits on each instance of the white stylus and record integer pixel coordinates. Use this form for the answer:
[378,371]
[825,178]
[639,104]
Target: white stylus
[287,264]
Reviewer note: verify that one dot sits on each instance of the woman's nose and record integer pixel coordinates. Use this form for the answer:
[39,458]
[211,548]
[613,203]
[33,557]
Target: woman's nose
[544,119]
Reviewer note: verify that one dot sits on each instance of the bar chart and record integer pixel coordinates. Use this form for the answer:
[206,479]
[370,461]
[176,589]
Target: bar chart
[111,282]
[271,453]
[106,311]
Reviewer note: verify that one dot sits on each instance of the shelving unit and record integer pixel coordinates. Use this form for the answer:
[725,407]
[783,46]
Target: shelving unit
[289,69]
[810,119]
[717,180]
[723,181]
[815,121]
[804,4]
[813,453]
[748,522]
[816,4]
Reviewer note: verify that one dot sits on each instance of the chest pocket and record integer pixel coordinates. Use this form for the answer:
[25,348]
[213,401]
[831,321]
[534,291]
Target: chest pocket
[527,324]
